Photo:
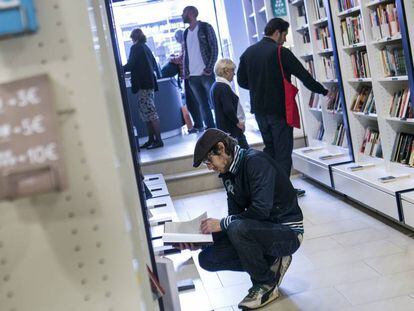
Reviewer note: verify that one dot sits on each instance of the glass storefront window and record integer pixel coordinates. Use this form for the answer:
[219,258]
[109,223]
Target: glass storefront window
[159,20]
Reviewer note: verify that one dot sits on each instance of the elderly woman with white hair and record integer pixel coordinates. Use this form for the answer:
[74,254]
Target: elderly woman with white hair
[229,113]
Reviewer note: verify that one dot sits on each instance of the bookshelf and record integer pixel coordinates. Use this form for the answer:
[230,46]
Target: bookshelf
[373,59]
[256,15]
[322,117]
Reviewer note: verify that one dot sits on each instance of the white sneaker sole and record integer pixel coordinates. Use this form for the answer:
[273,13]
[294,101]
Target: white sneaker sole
[273,298]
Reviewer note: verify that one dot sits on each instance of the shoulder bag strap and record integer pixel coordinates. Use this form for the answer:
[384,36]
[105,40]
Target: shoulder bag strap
[279,53]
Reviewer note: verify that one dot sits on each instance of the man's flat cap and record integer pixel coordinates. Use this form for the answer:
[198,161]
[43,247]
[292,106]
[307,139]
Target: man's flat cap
[205,143]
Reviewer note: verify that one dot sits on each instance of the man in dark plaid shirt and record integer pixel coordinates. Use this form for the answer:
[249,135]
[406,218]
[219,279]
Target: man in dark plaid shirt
[200,55]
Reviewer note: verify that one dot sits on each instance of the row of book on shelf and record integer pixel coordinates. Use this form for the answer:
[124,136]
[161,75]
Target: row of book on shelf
[401,104]
[329,67]
[332,101]
[347,4]
[393,61]
[323,38]
[351,30]
[371,144]
[404,149]
[339,136]
[360,64]
[302,19]
[364,101]
[384,21]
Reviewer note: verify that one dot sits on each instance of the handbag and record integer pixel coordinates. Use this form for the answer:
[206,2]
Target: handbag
[292,111]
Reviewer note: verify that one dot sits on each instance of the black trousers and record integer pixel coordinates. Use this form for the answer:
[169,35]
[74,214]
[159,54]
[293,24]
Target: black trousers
[278,139]
[252,246]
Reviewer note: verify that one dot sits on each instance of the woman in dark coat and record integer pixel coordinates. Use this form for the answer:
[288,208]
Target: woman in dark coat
[142,65]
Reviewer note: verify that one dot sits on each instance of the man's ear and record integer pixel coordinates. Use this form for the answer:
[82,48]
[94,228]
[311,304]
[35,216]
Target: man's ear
[221,148]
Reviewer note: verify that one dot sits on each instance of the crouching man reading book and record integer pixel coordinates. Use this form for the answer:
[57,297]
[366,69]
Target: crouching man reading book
[264,226]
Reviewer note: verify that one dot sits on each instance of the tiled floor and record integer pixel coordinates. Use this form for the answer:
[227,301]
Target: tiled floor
[349,260]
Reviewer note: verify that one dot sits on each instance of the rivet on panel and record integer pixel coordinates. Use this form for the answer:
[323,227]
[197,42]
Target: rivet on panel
[6,278]
[58,23]
[43,61]
[105,278]
[64,58]
[40,44]
[74,231]
[83,281]
[101,261]
[89,195]
[77,248]
[56,6]
[111,309]
[10,294]
[86,177]
[80,144]
[1,244]
[108,294]
[13,309]
[61,40]
[86,298]
[68,198]
[80,265]
[71,214]
[83,160]
[3,261]
[95,228]
[67,75]
[92,211]
[98,244]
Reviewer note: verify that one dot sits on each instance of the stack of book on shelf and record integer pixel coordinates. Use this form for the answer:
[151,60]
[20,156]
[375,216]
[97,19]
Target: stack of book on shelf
[329,67]
[360,65]
[339,136]
[404,149]
[301,19]
[371,145]
[384,21]
[333,103]
[321,131]
[347,4]
[306,41]
[351,30]
[314,102]
[400,105]
[323,38]
[364,101]
[393,61]
[309,65]
[320,11]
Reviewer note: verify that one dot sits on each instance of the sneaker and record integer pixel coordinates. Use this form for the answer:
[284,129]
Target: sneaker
[146,145]
[259,296]
[196,130]
[300,192]
[280,266]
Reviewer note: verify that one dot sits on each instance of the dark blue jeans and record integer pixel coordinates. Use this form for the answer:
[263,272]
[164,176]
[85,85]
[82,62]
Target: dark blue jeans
[200,87]
[192,106]
[277,138]
[252,246]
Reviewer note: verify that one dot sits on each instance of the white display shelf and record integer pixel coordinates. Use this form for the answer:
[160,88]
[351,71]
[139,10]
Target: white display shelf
[408,208]
[400,120]
[359,80]
[326,51]
[315,109]
[371,116]
[296,2]
[355,46]
[302,28]
[263,9]
[387,40]
[320,22]
[349,11]
[315,156]
[370,176]
[330,81]
[371,4]
[307,55]
[393,79]
[252,15]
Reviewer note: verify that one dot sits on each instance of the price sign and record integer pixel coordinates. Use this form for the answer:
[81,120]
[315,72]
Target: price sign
[30,154]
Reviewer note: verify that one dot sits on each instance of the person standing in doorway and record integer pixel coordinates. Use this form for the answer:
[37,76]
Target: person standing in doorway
[259,72]
[200,55]
[142,65]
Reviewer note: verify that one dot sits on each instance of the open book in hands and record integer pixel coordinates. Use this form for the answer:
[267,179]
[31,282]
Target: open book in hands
[186,232]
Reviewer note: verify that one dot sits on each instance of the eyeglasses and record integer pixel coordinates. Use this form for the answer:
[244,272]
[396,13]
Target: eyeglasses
[207,159]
